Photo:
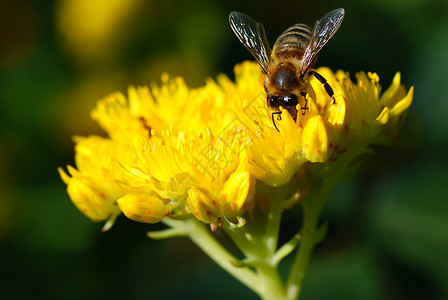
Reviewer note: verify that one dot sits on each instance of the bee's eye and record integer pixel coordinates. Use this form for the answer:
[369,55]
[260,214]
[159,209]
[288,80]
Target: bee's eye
[290,100]
[285,101]
[274,101]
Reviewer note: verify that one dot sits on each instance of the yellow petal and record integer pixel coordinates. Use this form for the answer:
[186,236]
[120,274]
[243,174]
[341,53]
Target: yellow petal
[389,95]
[338,113]
[89,199]
[384,116]
[203,206]
[237,193]
[142,208]
[316,139]
[403,104]
[64,176]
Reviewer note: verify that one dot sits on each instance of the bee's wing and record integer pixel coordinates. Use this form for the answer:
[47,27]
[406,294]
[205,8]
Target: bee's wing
[323,30]
[251,33]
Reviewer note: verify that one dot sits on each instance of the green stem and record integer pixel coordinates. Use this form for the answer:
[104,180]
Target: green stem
[286,249]
[259,244]
[258,256]
[310,236]
[312,208]
[273,227]
[271,284]
[270,279]
[202,236]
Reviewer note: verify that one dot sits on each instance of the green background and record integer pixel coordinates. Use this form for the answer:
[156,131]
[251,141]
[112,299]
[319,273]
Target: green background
[388,227]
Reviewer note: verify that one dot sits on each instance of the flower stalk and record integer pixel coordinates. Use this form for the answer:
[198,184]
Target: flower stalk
[203,238]
[311,234]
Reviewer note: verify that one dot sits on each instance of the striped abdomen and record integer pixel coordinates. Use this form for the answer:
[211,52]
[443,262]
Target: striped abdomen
[293,41]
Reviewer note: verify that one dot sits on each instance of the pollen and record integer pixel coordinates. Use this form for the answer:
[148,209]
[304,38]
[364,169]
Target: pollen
[374,77]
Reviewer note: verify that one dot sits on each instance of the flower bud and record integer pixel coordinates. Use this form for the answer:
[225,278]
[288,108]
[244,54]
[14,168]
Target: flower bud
[88,196]
[142,208]
[237,193]
[317,139]
[203,205]
[338,114]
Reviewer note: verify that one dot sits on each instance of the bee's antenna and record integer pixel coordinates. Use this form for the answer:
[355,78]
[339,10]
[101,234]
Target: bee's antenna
[273,121]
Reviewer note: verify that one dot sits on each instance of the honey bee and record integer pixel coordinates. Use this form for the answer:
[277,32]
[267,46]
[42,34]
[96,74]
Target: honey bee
[289,65]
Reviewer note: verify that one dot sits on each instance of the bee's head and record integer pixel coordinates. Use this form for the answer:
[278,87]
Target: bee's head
[284,78]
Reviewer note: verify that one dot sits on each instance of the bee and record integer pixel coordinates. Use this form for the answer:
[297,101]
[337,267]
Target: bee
[290,64]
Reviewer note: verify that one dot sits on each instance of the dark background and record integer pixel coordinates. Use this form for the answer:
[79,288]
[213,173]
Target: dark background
[388,227]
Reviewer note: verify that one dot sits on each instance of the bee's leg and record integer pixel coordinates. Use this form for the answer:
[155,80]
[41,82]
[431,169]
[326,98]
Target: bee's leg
[306,103]
[273,121]
[327,87]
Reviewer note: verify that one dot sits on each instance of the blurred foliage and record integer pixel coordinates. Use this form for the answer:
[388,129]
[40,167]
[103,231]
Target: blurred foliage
[388,227]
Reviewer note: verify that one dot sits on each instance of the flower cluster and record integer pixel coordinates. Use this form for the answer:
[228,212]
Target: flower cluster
[173,151]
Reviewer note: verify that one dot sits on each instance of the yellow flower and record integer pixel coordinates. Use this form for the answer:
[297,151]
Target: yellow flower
[173,151]
[370,112]
[92,187]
